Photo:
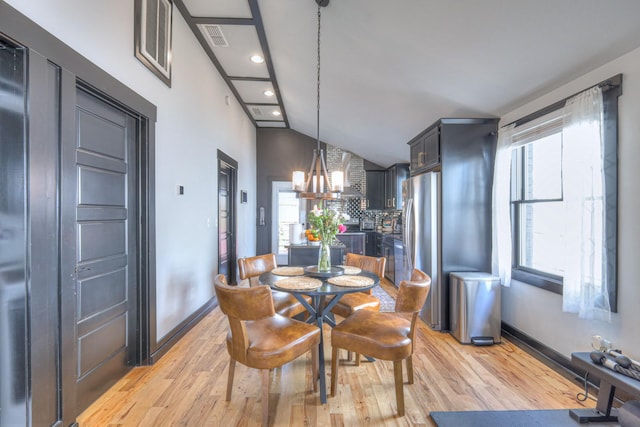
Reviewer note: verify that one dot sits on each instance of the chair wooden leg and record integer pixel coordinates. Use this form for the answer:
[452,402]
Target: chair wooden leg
[314,367]
[357,359]
[334,371]
[349,355]
[232,369]
[397,373]
[265,397]
[410,369]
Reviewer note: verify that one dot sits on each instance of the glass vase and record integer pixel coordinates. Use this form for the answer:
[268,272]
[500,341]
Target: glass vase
[324,257]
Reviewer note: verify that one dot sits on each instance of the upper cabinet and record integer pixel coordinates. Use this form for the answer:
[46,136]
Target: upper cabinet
[376,189]
[431,148]
[393,185]
[384,187]
[425,150]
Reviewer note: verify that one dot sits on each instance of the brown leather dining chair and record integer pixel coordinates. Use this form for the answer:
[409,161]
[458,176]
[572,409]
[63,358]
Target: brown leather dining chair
[260,338]
[251,268]
[352,302]
[384,336]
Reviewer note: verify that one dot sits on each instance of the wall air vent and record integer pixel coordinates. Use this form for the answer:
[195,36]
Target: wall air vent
[215,35]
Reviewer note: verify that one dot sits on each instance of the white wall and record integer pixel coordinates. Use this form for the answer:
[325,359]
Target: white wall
[537,312]
[193,123]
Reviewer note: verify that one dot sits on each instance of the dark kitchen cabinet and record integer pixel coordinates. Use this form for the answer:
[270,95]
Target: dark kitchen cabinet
[375,189]
[379,237]
[388,253]
[425,151]
[304,255]
[393,185]
[370,247]
[353,242]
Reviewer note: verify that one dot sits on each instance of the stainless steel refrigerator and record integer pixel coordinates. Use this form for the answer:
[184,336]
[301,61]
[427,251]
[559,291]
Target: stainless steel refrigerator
[421,238]
[447,212]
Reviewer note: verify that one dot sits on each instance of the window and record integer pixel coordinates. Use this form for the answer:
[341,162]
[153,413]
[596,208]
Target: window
[536,195]
[153,36]
[541,194]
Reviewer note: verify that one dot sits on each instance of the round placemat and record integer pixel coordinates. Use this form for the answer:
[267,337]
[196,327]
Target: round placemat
[351,270]
[298,283]
[288,271]
[351,281]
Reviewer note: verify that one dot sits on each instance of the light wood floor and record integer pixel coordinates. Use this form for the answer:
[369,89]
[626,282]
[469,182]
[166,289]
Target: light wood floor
[187,386]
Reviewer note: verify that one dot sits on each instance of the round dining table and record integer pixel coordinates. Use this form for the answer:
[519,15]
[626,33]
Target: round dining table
[319,309]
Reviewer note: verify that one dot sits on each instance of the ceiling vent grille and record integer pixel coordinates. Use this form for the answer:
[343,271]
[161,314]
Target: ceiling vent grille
[257,111]
[215,34]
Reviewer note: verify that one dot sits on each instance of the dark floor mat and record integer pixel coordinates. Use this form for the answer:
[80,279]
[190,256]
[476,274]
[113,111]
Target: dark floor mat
[544,418]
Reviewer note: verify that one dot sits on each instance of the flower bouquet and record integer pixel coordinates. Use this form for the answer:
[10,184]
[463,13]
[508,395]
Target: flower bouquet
[325,225]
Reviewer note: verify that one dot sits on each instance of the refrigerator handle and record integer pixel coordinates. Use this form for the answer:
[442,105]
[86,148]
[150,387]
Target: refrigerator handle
[406,235]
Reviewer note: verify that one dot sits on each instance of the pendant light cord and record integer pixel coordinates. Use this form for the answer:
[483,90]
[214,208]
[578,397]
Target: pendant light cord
[318,88]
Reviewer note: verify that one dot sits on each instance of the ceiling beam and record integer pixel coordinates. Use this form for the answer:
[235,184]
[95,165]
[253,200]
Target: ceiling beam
[200,20]
[198,34]
[257,17]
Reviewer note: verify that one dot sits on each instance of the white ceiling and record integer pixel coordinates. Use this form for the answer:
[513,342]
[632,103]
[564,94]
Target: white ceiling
[391,68]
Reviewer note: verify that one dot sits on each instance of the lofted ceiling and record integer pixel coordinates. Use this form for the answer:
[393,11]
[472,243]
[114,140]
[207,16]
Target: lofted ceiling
[391,68]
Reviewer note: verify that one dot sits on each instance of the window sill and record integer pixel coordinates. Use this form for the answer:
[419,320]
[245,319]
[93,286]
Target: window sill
[533,279]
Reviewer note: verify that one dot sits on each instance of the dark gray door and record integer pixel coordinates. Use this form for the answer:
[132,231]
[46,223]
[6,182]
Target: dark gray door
[227,170]
[100,169]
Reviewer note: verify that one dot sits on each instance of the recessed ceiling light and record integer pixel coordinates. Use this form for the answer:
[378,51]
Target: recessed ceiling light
[257,59]
[268,93]
[276,113]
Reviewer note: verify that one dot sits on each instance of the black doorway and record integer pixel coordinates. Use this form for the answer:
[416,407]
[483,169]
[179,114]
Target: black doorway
[227,185]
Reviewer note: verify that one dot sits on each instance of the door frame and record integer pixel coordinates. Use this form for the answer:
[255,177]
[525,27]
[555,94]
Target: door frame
[227,162]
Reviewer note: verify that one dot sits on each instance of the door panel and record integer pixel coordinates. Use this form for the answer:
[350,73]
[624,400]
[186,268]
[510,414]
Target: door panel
[99,187]
[105,290]
[98,240]
[100,342]
[105,236]
[96,137]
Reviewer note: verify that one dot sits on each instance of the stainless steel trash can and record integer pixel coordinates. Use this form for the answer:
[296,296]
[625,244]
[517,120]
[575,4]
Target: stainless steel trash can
[475,308]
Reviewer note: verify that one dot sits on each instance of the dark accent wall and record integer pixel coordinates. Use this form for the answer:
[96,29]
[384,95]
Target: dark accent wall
[278,152]
[370,166]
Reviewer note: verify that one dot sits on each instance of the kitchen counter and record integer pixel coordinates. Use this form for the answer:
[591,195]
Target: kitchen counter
[396,236]
[311,245]
[307,254]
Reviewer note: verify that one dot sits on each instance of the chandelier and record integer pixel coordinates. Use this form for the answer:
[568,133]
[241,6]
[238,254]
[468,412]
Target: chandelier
[317,184]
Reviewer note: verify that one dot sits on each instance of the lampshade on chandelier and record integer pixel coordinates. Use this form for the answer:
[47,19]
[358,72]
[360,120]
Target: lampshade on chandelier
[317,184]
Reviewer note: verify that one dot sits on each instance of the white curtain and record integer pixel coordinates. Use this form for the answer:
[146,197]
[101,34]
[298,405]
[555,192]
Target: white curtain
[501,206]
[585,278]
